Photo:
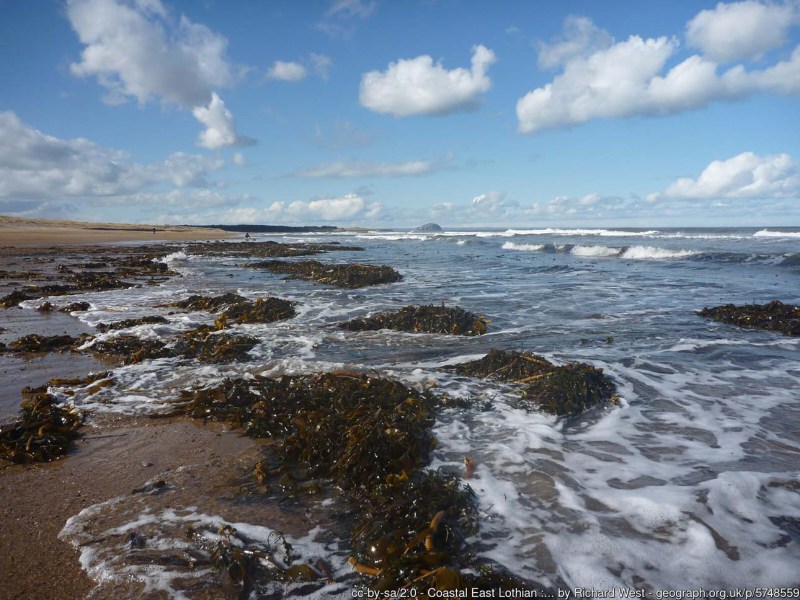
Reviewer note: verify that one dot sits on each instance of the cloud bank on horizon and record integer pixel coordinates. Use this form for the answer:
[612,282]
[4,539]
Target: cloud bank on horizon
[518,114]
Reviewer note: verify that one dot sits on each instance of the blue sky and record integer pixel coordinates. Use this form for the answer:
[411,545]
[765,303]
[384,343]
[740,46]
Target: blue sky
[378,113]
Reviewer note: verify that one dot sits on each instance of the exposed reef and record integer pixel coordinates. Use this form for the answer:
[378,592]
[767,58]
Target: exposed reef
[369,438]
[423,319]
[560,390]
[775,316]
[353,275]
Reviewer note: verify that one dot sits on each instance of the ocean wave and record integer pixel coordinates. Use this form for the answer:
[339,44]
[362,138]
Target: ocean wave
[651,252]
[600,251]
[523,247]
[567,232]
[777,234]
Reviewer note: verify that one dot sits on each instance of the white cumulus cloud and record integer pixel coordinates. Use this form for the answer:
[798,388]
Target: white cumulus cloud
[746,175]
[136,49]
[741,29]
[36,165]
[631,78]
[581,37]
[220,126]
[286,71]
[344,209]
[419,86]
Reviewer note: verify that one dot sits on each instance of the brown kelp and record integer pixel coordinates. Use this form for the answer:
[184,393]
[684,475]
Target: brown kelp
[42,432]
[35,343]
[125,324]
[240,310]
[423,319]
[352,275]
[130,349]
[206,344]
[370,438]
[262,310]
[774,316]
[560,390]
[76,307]
[209,303]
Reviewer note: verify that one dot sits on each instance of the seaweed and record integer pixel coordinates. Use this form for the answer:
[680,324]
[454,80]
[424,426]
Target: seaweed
[504,366]
[775,316]
[104,327]
[209,303]
[14,298]
[42,432]
[423,319]
[98,281]
[36,343]
[370,438]
[351,275]
[569,389]
[206,344]
[263,310]
[76,307]
[130,349]
[560,390]
[46,307]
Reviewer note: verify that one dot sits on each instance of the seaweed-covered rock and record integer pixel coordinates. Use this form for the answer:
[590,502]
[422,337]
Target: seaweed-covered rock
[505,366]
[423,319]
[130,349]
[151,320]
[209,303]
[41,433]
[209,345]
[14,298]
[559,390]
[262,310]
[369,437]
[569,389]
[76,307]
[353,275]
[98,281]
[42,343]
[45,307]
[775,316]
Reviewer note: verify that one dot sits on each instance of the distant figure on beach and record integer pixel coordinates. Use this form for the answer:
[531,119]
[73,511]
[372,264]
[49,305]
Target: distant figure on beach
[247,235]
[154,230]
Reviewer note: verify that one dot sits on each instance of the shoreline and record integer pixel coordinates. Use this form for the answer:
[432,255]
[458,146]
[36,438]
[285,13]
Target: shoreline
[114,456]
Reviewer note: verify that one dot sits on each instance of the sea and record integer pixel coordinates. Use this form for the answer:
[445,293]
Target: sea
[691,484]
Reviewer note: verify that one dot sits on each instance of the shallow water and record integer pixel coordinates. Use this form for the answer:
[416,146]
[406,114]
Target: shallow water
[691,483]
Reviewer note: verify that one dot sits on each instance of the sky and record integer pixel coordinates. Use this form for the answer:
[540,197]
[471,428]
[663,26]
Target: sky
[382,113]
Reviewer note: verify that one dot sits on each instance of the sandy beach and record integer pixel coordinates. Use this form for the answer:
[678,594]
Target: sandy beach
[43,232]
[110,459]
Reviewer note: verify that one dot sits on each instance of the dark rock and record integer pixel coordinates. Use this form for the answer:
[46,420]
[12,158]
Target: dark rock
[560,390]
[775,316]
[209,303]
[428,228]
[263,310]
[104,327]
[423,319]
[354,275]
[76,307]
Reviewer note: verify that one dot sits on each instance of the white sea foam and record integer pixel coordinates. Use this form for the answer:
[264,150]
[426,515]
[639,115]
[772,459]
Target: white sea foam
[179,256]
[650,252]
[777,234]
[580,232]
[597,251]
[523,247]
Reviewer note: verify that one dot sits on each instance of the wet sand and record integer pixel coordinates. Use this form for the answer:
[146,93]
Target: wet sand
[113,456]
[16,232]
[111,459]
